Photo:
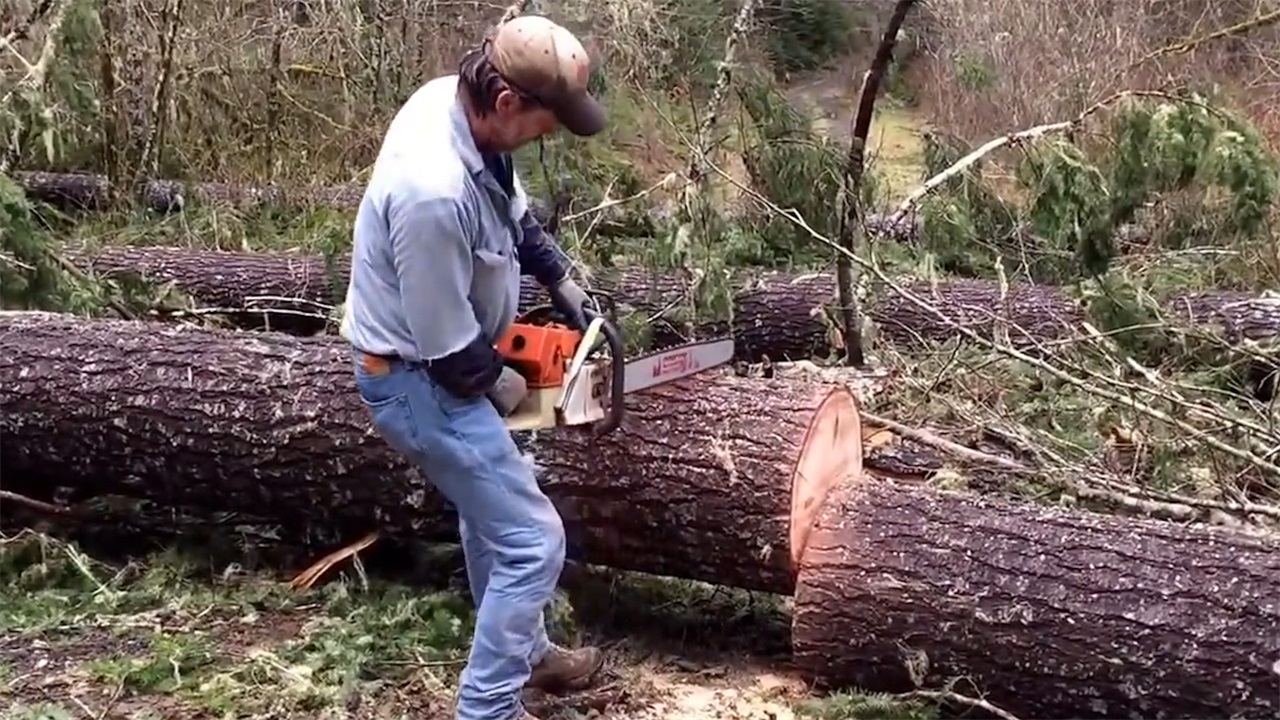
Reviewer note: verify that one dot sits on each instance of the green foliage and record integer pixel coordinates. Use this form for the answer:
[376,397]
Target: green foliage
[966,220]
[31,276]
[48,122]
[866,706]
[974,73]
[805,34]
[1165,161]
[176,627]
[795,169]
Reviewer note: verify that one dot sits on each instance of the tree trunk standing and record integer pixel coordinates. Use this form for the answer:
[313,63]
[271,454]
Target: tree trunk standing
[1049,613]
[850,233]
[714,478]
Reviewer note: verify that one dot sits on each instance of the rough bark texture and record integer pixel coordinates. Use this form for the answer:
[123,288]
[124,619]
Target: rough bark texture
[1236,316]
[85,191]
[778,315]
[696,484]
[1049,613]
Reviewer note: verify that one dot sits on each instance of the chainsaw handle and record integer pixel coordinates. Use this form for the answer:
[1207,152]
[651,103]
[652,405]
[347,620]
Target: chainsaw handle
[618,374]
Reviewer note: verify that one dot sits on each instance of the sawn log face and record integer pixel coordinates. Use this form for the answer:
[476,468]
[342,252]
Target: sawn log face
[696,484]
[1050,613]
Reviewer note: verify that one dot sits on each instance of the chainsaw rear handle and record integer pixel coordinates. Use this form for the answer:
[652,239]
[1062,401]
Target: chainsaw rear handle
[618,376]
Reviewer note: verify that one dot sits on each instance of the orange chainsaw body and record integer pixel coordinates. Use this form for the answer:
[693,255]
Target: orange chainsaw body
[565,386]
[540,353]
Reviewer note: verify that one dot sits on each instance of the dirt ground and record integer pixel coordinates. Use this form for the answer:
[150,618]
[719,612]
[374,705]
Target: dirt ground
[169,639]
[71,669]
[894,144]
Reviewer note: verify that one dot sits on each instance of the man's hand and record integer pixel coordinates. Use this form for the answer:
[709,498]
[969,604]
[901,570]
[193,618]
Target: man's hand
[571,300]
[508,391]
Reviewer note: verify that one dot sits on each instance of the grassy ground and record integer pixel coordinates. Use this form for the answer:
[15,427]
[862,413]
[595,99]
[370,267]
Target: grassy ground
[174,637]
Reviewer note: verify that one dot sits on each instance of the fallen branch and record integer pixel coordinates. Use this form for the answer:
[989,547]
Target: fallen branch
[948,447]
[950,696]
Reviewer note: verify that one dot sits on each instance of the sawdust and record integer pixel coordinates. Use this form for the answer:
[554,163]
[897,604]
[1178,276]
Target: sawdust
[717,692]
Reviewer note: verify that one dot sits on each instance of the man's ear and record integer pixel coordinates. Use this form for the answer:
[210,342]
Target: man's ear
[507,103]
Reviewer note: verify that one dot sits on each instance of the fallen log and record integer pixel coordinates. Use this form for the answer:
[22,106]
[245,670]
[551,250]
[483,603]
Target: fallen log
[713,478]
[92,192]
[86,191]
[1048,613]
[776,315]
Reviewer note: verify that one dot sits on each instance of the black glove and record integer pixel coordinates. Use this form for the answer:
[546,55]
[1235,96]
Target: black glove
[470,372]
[570,300]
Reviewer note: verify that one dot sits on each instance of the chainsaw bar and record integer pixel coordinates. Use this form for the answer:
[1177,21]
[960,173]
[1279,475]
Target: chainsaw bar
[672,363]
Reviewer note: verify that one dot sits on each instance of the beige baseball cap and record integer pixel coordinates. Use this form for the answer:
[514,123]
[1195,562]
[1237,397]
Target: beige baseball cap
[545,61]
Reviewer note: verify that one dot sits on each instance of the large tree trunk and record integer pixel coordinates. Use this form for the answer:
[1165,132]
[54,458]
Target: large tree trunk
[713,478]
[776,315]
[1049,613]
[85,191]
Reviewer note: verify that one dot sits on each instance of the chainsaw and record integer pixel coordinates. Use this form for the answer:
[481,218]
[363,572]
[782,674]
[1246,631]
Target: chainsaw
[571,384]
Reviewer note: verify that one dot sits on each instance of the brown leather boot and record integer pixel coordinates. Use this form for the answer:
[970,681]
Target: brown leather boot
[562,669]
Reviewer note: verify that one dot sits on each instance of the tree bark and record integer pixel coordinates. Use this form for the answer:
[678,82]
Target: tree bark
[85,191]
[776,315]
[1049,613]
[713,478]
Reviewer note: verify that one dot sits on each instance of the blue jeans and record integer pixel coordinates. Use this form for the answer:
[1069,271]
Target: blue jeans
[512,536]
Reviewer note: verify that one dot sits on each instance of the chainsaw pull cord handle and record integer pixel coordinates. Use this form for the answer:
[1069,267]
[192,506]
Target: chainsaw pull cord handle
[618,378]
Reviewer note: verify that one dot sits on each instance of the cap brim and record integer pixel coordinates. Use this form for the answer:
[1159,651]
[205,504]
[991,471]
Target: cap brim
[581,115]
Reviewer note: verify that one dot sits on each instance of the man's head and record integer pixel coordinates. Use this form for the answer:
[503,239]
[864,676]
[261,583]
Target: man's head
[528,79]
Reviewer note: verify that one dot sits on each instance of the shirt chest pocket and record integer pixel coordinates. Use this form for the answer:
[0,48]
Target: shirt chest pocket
[496,265]
[495,268]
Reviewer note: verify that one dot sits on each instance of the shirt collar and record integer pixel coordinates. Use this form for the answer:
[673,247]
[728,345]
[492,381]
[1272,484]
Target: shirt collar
[463,140]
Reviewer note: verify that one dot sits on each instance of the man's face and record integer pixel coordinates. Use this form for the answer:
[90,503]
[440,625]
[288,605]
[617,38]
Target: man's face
[519,121]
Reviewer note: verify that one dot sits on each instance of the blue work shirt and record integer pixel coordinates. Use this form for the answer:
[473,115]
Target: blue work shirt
[439,244]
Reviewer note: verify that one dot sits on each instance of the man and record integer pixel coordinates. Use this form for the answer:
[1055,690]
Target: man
[441,238]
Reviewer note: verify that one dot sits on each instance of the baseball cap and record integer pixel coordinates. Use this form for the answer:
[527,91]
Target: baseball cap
[543,60]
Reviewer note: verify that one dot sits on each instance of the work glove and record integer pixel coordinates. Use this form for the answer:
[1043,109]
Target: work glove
[508,391]
[570,300]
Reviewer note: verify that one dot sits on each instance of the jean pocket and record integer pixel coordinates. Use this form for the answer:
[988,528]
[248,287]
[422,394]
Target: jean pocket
[390,410]
[393,418]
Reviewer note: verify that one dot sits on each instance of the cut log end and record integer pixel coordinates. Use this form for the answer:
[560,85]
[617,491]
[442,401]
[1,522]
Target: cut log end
[831,452]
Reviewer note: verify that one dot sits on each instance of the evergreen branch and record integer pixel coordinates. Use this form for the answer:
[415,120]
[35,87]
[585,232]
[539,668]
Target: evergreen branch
[1012,139]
